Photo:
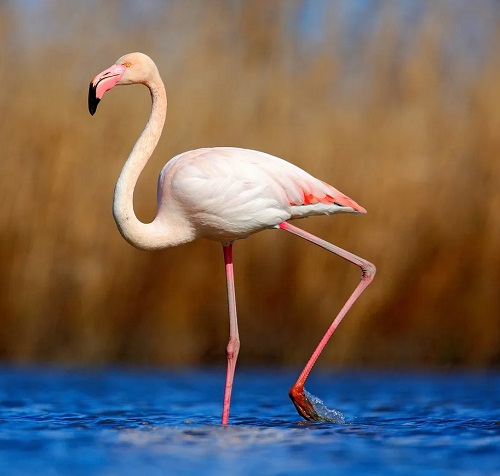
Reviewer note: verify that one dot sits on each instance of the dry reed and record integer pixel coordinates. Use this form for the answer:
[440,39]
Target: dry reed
[398,122]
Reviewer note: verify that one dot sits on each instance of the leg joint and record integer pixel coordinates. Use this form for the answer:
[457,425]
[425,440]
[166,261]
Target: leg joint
[368,271]
[233,348]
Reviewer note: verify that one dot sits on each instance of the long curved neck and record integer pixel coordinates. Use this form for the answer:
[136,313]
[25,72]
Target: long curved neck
[141,235]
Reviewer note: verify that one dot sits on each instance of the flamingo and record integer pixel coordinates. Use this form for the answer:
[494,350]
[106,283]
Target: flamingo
[222,194]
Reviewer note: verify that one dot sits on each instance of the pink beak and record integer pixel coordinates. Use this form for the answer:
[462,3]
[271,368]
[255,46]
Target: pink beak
[104,82]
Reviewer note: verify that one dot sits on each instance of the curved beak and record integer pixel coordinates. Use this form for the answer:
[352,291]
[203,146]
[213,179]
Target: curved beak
[103,82]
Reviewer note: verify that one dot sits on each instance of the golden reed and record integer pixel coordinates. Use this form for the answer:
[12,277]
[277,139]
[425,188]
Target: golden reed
[402,123]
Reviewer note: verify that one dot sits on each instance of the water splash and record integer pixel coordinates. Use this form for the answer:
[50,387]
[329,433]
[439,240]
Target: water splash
[323,411]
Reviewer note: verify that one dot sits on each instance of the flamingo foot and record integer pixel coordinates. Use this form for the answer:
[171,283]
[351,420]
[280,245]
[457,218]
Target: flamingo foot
[302,403]
[306,409]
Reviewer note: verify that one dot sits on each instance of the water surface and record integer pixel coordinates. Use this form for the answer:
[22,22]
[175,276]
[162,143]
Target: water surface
[119,421]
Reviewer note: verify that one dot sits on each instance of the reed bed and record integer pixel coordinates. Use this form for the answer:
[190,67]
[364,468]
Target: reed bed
[397,114]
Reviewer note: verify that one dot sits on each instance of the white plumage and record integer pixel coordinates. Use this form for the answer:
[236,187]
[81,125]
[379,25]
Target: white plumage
[229,193]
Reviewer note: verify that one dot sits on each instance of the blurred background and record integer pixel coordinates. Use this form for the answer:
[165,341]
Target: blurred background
[395,103]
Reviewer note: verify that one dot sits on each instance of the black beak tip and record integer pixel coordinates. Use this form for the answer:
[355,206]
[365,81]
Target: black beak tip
[93,100]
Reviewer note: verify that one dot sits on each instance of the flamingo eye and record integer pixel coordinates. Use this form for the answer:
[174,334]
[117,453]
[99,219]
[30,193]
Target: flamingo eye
[128,64]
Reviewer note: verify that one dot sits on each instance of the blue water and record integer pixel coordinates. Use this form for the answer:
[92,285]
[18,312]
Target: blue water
[130,422]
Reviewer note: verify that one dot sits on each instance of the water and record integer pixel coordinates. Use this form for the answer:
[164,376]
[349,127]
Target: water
[124,422]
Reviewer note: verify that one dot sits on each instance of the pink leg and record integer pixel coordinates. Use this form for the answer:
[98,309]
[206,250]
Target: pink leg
[233,345]
[299,399]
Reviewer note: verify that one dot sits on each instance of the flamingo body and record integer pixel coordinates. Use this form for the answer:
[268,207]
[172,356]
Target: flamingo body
[222,194]
[227,193]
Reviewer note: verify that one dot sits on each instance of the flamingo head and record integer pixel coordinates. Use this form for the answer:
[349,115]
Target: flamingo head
[129,69]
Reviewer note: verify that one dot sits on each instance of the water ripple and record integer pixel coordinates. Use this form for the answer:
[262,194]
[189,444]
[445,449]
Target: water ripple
[123,422]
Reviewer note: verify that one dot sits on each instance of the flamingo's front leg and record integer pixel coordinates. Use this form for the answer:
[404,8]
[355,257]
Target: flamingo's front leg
[233,346]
